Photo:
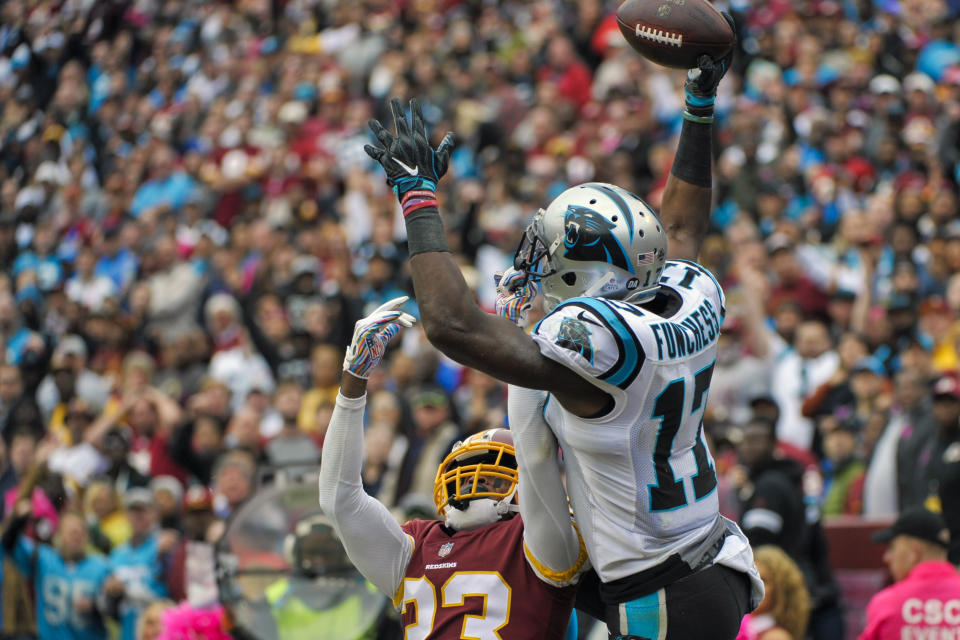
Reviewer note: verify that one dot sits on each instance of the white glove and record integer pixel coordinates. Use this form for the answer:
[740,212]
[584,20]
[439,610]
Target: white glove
[371,335]
[515,294]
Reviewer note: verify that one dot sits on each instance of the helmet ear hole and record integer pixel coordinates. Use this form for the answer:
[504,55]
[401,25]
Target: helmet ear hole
[641,233]
[569,278]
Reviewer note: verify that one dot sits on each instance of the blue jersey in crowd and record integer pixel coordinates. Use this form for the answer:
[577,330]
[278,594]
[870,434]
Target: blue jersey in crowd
[66,592]
[140,570]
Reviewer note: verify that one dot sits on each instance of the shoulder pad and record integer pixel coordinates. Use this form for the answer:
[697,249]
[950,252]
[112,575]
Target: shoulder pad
[592,336]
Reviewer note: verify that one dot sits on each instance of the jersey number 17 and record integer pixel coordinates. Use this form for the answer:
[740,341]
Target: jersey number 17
[668,492]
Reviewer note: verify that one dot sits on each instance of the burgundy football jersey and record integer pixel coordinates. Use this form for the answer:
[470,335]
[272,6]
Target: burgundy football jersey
[477,584]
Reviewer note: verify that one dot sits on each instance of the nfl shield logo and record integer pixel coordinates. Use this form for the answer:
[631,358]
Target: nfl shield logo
[445,550]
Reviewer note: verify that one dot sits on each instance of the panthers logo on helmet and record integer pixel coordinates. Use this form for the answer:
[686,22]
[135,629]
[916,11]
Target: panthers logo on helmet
[575,335]
[588,237]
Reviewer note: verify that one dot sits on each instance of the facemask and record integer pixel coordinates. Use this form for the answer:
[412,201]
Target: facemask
[479,512]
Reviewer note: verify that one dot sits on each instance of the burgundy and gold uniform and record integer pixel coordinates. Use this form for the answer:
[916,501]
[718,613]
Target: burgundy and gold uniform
[478,584]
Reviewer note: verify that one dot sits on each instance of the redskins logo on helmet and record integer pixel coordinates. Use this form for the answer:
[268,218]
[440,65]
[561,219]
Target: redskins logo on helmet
[482,466]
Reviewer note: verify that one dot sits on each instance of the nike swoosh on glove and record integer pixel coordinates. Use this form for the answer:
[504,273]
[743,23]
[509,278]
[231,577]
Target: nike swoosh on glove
[411,164]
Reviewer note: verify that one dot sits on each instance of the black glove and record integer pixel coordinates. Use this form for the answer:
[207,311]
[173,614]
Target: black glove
[701,85]
[409,160]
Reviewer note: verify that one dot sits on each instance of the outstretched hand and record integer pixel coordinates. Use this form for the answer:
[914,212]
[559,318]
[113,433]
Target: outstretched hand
[407,157]
[703,81]
[371,335]
[515,294]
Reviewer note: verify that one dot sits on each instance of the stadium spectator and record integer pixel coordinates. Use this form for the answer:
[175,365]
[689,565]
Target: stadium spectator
[786,604]
[167,496]
[197,521]
[136,568]
[434,431]
[107,524]
[843,469]
[233,480]
[150,624]
[774,511]
[926,584]
[929,460]
[69,360]
[291,446]
[772,506]
[66,579]
[893,461]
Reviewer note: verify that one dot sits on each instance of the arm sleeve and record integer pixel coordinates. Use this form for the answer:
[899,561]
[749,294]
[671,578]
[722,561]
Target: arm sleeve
[551,543]
[375,543]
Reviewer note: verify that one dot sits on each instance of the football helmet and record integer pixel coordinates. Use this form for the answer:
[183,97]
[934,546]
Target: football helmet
[313,550]
[595,240]
[484,466]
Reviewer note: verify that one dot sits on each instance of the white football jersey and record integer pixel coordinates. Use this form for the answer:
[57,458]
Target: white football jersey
[641,480]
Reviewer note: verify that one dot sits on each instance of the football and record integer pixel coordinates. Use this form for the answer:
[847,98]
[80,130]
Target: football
[675,33]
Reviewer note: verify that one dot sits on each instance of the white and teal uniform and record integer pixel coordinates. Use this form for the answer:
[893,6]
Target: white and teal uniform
[641,479]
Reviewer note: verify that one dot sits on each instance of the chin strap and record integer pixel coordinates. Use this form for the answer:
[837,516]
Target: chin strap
[643,296]
[507,505]
[597,285]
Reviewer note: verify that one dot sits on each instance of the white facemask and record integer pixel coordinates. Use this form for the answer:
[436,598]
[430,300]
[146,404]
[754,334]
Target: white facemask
[479,512]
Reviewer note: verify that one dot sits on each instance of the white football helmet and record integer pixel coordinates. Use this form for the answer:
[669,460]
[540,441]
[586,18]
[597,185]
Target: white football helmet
[594,240]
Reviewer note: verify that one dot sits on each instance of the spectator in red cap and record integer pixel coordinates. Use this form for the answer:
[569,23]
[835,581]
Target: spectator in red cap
[925,601]
[196,520]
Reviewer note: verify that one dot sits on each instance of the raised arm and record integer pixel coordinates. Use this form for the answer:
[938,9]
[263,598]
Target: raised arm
[552,545]
[453,321]
[685,210]
[375,543]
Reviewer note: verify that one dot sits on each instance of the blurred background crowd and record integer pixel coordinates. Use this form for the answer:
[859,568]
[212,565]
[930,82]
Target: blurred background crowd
[189,229]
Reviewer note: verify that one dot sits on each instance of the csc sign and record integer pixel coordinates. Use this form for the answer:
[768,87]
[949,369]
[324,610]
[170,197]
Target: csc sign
[931,612]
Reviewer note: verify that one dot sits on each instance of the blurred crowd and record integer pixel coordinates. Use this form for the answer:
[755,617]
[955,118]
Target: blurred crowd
[189,229]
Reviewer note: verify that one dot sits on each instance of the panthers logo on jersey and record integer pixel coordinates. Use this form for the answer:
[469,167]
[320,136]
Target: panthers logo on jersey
[575,335]
[588,237]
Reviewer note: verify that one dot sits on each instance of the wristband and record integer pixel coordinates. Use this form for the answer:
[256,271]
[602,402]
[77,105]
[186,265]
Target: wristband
[698,119]
[699,101]
[417,199]
[403,186]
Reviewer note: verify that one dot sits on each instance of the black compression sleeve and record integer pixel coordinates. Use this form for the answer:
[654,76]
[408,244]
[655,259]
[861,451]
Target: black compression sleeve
[694,154]
[425,231]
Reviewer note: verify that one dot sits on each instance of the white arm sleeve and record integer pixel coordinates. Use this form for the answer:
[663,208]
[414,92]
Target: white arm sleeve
[375,543]
[552,545]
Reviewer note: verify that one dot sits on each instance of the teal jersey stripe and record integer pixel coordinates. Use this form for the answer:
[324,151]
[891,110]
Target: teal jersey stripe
[631,354]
